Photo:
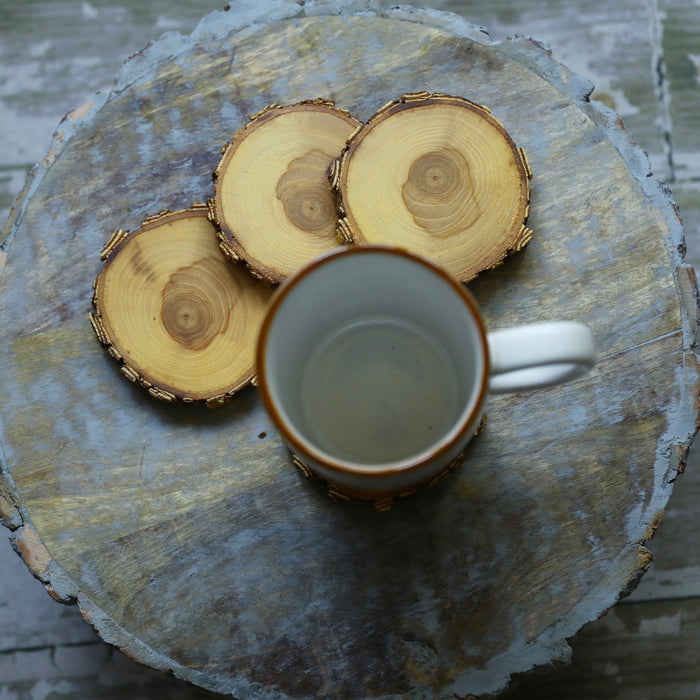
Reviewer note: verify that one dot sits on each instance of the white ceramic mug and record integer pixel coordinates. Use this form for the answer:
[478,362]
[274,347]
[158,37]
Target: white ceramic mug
[375,365]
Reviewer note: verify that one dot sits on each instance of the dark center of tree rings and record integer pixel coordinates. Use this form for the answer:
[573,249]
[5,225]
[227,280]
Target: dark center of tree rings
[196,305]
[305,193]
[439,193]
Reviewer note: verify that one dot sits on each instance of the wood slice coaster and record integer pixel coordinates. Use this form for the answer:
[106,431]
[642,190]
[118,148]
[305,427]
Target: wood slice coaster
[273,202]
[181,321]
[439,175]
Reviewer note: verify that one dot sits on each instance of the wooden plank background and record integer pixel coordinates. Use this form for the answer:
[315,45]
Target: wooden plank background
[643,56]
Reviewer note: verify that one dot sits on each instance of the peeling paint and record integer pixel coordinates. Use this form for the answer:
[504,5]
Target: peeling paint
[664,626]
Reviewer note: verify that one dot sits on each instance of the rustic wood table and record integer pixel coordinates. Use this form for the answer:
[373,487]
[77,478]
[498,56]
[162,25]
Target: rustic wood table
[184,535]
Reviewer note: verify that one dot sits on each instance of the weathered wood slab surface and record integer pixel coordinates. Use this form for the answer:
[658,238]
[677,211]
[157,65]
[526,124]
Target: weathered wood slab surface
[118,549]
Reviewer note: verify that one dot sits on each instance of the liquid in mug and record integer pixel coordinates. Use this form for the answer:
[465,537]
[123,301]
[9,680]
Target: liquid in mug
[378,391]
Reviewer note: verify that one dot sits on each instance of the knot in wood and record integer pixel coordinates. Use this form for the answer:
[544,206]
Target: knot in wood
[196,305]
[439,193]
[304,192]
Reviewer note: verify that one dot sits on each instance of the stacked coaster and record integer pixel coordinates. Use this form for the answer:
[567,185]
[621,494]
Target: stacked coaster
[179,301]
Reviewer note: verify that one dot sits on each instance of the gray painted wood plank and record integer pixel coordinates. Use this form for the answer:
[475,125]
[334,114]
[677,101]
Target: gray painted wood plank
[639,651]
[643,650]
[28,617]
[85,672]
[681,66]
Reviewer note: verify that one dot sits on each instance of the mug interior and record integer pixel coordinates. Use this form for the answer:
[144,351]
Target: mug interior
[325,346]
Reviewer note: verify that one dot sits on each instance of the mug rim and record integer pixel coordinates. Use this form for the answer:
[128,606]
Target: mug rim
[460,429]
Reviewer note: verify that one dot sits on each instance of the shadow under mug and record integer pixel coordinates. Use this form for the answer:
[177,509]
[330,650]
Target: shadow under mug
[375,365]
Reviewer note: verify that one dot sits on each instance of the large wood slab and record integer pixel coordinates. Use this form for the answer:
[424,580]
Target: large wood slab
[185,536]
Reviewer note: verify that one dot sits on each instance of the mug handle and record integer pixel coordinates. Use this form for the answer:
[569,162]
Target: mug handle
[539,355]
